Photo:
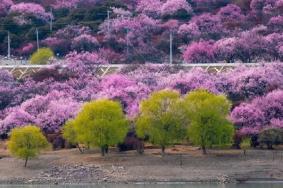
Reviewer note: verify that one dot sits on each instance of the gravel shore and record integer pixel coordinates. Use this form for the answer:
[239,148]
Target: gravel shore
[181,164]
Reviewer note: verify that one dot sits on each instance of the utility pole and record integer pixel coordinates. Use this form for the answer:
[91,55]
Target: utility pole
[127,40]
[108,21]
[37,38]
[51,20]
[9,46]
[171,48]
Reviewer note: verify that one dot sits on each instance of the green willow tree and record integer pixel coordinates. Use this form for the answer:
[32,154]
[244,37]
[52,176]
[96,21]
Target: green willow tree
[27,142]
[208,119]
[162,119]
[70,134]
[100,123]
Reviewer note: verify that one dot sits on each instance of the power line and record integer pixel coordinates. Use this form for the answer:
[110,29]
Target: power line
[44,28]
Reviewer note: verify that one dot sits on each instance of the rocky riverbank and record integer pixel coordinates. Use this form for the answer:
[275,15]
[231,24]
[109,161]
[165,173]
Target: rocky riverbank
[181,164]
[65,174]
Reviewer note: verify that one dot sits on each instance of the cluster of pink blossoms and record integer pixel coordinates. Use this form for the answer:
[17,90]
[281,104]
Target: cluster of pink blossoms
[33,9]
[5,6]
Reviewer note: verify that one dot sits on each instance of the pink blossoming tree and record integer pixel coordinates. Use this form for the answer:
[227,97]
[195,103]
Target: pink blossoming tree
[5,6]
[48,112]
[24,10]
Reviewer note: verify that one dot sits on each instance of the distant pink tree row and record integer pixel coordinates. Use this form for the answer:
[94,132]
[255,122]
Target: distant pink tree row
[23,11]
[204,31]
[247,46]
[225,34]
[158,8]
[69,4]
[72,38]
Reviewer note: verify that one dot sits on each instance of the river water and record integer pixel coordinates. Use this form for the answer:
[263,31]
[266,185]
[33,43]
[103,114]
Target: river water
[192,185]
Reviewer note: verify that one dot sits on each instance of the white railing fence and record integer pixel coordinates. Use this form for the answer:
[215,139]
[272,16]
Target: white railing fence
[22,70]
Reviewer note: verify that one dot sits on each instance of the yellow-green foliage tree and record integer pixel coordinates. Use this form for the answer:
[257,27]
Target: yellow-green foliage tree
[70,134]
[27,142]
[41,56]
[245,144]
[100,123]
[208,119]
[162,119]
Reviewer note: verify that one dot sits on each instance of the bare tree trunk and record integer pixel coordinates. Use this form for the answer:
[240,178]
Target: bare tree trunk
[140,148]
[106,148]
[26,162]
[102,151]
[203,150]
[80,149]
[162,150]
[269,146]
[181,160]
[88,146]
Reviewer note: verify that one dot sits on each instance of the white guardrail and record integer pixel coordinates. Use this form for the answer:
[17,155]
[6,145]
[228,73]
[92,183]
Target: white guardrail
[21,70]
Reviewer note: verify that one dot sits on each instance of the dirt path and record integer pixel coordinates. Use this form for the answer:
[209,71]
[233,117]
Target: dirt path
[180,164]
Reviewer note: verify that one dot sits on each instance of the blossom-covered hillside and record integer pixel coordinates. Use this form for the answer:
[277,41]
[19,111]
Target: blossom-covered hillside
[138,31]
[52,96]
